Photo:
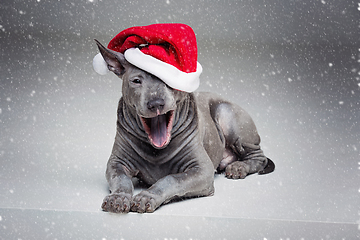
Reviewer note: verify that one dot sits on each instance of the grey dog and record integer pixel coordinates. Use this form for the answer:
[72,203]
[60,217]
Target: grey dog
[174,141]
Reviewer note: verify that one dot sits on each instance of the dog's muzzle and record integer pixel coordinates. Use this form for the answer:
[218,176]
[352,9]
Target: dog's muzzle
[158,128]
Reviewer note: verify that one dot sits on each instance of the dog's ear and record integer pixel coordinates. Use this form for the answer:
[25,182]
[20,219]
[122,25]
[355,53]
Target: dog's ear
[116,61]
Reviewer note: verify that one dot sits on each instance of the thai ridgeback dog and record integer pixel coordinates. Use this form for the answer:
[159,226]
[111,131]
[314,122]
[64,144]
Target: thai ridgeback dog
[174,141]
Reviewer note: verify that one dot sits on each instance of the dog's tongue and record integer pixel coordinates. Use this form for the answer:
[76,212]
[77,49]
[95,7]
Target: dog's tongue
[158,130]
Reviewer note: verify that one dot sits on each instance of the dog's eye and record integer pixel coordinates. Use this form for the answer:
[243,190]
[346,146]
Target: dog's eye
[136,81]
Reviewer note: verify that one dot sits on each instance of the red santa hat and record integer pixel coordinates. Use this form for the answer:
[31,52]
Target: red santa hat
[168,51]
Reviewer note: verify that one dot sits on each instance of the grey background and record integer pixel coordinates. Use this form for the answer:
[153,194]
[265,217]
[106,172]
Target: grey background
[293,65]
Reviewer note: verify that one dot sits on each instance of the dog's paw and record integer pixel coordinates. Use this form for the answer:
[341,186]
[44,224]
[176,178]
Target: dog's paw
[145,202]
[117,203]
[237,170]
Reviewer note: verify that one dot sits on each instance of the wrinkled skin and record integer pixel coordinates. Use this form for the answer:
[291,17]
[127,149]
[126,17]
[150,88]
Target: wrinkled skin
[174,141]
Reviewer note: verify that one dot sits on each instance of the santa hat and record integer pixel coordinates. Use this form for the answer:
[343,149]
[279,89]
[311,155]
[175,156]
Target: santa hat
[168,51]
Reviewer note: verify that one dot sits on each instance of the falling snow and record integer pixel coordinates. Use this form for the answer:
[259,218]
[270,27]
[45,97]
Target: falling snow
[294,66]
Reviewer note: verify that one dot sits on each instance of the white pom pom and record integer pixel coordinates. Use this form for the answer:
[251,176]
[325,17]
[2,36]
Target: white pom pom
[99,64]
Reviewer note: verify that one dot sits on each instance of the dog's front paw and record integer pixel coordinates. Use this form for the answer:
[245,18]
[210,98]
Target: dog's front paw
[237,170]
[117,203]
[145,202]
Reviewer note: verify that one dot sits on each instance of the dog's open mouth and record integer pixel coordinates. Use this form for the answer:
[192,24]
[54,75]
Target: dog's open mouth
[159,128]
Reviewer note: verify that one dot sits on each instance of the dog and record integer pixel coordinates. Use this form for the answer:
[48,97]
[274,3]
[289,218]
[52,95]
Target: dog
[174,141]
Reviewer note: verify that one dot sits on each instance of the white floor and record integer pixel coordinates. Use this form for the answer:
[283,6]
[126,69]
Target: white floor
[58,123]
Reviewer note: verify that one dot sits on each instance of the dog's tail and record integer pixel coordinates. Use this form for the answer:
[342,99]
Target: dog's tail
[270,167]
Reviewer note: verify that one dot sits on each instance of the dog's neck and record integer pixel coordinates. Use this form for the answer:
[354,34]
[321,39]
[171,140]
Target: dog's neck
[185,113]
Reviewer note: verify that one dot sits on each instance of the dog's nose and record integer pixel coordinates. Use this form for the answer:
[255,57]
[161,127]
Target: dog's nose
[156,104]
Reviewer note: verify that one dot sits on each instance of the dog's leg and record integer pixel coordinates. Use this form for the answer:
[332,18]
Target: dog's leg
[241,139]
[121,188]
[251,160]
[196,181]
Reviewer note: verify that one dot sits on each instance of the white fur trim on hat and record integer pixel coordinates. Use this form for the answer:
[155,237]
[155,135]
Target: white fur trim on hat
[172,76]
[99,64]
